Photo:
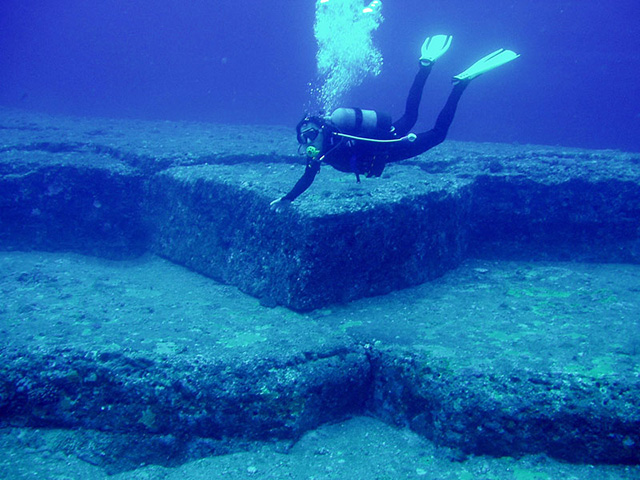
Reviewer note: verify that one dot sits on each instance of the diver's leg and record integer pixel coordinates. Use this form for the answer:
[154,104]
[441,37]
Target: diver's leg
[427,140]
[408,120]
[432,49]
[445,117]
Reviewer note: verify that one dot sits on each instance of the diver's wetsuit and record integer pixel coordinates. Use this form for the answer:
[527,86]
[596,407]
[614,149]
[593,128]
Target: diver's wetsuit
[370,158]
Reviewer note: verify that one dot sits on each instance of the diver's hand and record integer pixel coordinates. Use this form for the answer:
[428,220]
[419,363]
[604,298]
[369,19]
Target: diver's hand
[279,204]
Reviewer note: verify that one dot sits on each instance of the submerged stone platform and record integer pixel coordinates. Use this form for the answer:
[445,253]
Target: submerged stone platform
[500,356]
[146,362]
[199,195]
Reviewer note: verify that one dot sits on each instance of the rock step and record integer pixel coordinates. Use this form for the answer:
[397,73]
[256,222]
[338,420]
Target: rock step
[157,364]
[199,195]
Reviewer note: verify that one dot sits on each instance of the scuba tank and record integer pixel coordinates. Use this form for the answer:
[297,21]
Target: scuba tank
[366,123]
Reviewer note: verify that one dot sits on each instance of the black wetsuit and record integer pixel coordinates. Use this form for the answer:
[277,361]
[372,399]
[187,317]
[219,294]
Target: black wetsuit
[370,158]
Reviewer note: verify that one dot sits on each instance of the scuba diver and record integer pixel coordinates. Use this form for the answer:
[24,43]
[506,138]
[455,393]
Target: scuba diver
[362,142]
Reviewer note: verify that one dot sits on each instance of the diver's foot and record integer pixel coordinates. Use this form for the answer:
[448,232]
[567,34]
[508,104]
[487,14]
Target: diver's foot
[433,48]
[491,61]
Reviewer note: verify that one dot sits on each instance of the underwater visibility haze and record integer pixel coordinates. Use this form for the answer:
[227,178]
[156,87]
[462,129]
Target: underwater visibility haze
[249,61]
[169,311]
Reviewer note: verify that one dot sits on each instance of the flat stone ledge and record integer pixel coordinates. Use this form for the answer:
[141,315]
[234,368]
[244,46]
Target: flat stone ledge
[163,357]
[331,247]
[499,358]
[198,194]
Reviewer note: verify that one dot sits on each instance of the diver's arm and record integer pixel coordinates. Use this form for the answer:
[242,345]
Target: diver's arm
[310,172]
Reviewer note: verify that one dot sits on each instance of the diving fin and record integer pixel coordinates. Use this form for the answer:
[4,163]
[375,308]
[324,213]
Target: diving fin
[373,7]
[433,48]
[491,61]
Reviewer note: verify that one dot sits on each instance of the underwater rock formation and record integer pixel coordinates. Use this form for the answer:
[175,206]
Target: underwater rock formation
[199,195]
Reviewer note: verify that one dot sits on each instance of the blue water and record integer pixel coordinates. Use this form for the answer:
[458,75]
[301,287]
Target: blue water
[576,84]
[249,61]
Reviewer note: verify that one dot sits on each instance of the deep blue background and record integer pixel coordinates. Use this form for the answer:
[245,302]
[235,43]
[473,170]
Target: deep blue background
[250,61]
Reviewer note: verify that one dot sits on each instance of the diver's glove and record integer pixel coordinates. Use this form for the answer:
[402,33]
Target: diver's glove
[279,204]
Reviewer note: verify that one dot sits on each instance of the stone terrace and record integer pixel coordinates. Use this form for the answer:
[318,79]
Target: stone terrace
[519,343]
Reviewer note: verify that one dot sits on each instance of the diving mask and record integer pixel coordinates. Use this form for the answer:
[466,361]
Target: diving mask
[308,133]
